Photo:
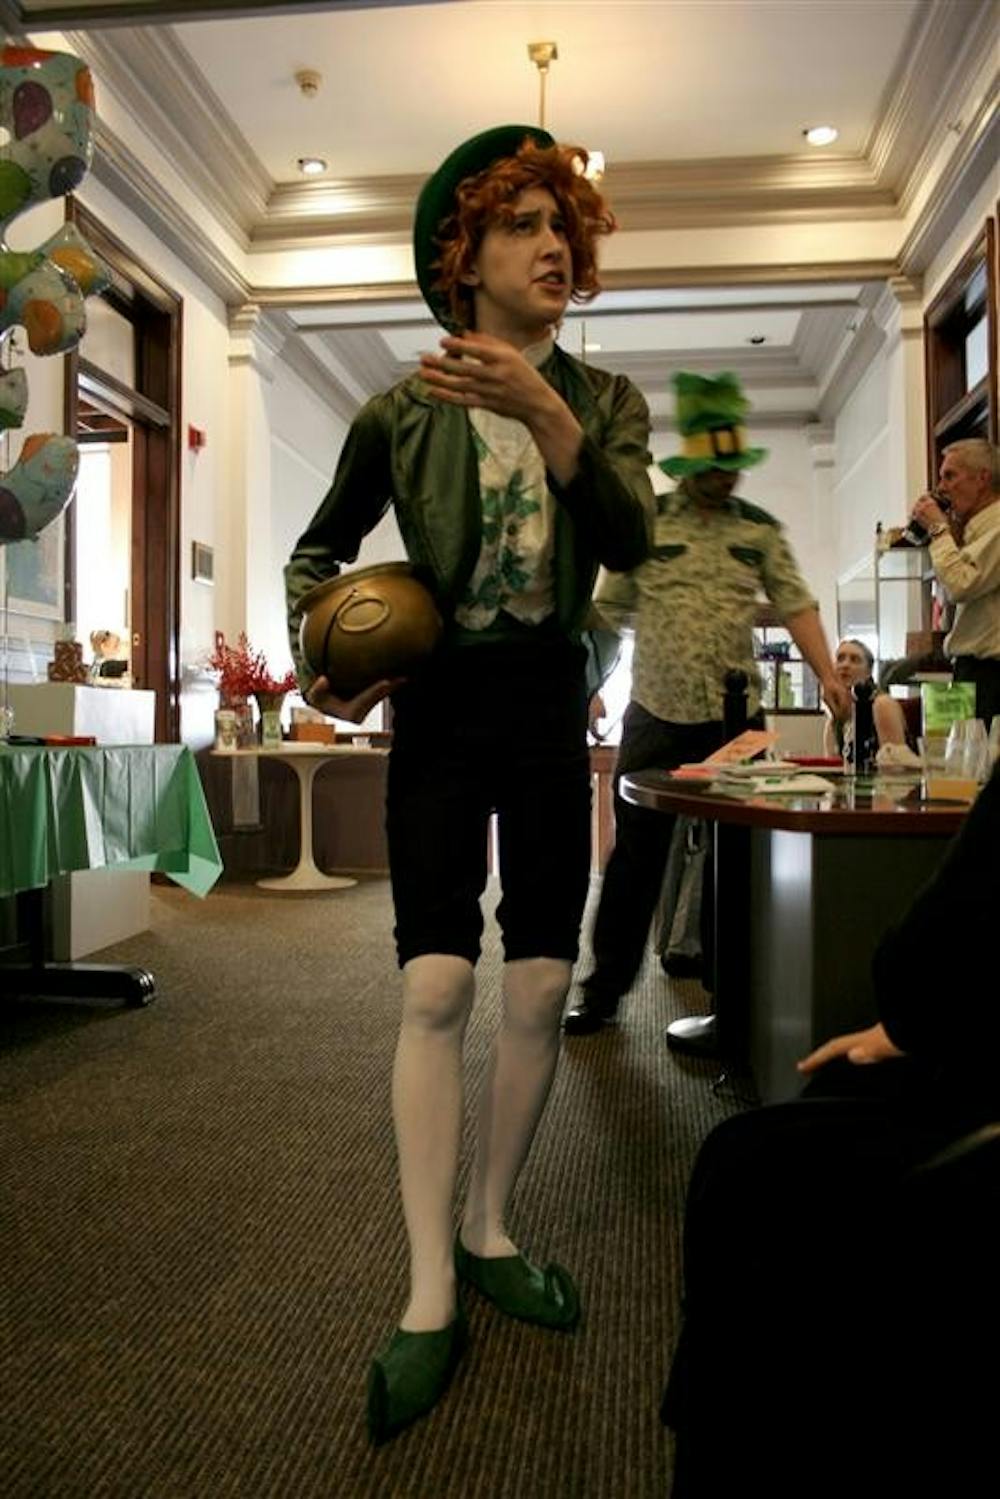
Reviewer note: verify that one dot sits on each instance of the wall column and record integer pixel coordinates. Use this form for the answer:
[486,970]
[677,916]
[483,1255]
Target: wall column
[900,312]
[822,453]
[254,343]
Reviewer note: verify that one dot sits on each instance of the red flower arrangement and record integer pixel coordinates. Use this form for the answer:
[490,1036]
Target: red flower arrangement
[244,671]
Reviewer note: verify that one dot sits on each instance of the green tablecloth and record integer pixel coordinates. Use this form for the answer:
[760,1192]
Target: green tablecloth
[127,807]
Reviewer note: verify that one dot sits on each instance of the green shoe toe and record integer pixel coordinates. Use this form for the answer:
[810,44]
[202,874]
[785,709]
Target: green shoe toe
[409,1377]
[546,1297]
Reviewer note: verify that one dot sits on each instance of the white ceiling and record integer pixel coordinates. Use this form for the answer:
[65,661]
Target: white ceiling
[698,105]
[641,81]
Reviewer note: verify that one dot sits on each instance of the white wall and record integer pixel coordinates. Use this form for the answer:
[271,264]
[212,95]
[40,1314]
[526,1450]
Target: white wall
[305,440]
[861,483]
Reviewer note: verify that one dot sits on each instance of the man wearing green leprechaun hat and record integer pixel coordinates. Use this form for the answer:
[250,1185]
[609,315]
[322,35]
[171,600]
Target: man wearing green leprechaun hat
[692,606]
[515,471]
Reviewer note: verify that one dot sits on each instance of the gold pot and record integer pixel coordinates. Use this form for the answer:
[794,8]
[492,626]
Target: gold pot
[369,624]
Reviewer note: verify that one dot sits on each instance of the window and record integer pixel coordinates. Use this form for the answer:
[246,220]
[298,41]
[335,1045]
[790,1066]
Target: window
[959,344]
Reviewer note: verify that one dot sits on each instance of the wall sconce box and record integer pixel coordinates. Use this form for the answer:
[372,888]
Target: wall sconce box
[202,562]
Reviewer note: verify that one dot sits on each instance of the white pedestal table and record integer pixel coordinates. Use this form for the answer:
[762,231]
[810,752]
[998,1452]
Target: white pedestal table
[306,760]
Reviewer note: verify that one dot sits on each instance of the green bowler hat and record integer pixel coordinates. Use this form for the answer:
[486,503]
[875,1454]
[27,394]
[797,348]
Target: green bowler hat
[437,198]
[710,413]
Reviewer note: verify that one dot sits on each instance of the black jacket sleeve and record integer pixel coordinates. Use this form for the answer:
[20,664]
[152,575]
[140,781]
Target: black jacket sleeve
[935,972]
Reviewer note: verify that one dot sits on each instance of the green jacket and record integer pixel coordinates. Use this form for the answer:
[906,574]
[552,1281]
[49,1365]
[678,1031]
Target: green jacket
[407,449]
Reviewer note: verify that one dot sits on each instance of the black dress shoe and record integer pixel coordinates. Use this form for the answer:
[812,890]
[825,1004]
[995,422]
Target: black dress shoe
[588,1016]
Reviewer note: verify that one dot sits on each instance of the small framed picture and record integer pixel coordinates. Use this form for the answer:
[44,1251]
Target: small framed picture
[202,562]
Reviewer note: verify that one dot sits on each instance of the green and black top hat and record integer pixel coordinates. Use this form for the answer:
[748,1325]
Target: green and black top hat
[710,413]
[437,199]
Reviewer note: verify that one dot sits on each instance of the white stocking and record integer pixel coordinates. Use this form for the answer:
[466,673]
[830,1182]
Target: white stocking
[516,1086]
[427,1110]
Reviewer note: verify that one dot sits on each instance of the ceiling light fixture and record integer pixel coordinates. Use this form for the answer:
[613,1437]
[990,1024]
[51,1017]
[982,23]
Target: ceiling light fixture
[308,81]
[821,135]
[757,338]
[542,54]
[311,166]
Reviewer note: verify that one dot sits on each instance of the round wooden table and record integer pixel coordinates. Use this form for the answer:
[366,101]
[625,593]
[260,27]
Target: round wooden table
[805,885]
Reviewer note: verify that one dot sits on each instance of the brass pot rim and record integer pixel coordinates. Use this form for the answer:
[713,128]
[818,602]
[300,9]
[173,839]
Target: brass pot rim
[323,590]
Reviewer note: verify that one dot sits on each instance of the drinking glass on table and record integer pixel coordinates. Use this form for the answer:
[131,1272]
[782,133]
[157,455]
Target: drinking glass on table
[993,743]
[933,752]
[967,750]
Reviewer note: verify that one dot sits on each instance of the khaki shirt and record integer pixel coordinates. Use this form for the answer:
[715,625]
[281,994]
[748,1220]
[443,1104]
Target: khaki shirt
[971,576]
[692,604]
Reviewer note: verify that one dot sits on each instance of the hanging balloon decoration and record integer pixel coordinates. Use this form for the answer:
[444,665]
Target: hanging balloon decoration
[46,126]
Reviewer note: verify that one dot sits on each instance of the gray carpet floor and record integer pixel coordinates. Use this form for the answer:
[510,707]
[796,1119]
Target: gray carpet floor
[201,1247]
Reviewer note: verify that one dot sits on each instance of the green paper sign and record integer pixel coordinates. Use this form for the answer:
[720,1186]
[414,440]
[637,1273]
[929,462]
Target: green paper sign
[943,704]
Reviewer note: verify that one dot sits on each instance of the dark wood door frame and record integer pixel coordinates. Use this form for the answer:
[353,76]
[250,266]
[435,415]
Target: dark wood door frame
[153,408]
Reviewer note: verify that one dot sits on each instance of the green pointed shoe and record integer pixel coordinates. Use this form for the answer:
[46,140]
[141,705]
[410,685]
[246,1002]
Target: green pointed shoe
[546,1297]
[410,1375]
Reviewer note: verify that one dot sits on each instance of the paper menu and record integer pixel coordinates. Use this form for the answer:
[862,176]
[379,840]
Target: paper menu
[751,742]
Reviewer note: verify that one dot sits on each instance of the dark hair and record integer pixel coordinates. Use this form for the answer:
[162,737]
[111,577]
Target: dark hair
[489,198]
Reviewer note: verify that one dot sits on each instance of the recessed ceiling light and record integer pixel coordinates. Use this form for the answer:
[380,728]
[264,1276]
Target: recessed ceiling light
[821,135]
[311,166]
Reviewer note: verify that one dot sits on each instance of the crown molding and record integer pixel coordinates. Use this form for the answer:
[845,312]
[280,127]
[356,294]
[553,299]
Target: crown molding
[646,195]
[366,354]
[973,160]
[643,278]
[124,175]
[170,101]
[849,365]
[817,339]
[946,47]
[256,338]
[301,360]
[907,116]
[758,368]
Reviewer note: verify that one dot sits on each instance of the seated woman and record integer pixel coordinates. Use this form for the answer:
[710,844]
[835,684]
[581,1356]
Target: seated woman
[854,662]
[841,1297]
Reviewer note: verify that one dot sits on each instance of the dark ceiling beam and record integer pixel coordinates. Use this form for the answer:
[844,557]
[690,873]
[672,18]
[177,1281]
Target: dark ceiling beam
[33,15]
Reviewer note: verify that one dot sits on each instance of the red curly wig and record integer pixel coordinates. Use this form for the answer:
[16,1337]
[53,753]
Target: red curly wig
[489,198]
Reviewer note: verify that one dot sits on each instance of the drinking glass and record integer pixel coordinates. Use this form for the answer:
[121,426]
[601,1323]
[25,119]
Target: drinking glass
[993,742]
[933,750]
[967,750]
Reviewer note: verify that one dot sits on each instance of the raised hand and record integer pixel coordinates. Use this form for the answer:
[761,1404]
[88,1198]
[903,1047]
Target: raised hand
[477,369]
[480,370]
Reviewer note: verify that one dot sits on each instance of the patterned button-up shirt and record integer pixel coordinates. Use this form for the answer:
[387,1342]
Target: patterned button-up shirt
[692,604]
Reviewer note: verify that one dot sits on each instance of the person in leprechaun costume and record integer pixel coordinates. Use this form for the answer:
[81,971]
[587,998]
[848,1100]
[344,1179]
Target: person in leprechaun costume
[515,470]
[692,607]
